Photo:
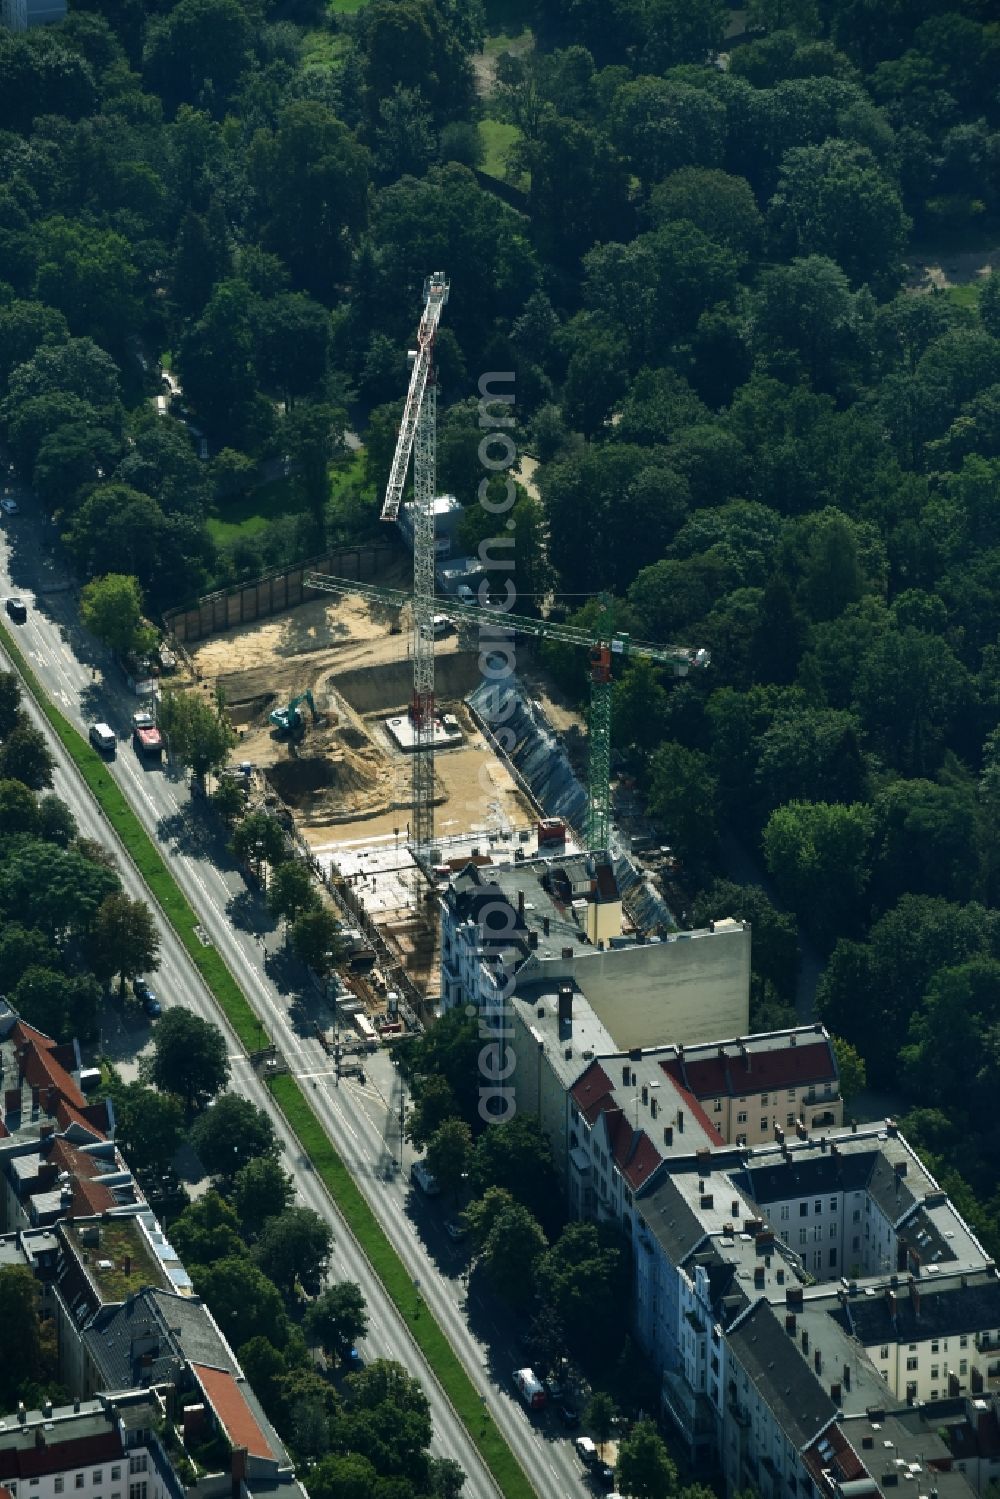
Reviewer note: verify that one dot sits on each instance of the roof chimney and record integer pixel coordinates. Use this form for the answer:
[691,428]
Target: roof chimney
[805,1341]
[790,1324]
[704,1158]
[565,1004]
[914,1297]
[818,1361]
[545,926]
[835,1392]
[794,1297]
[22,1414]
[520,905]
[47,1409]
[532,941]
[567,954]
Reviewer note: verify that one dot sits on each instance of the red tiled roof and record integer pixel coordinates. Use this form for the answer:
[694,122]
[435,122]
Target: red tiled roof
[786,1067]
[594,1084]
[59,1457]
[229,1403]
[41,1068]
[696,1109]
[66,1114]
[843,1459]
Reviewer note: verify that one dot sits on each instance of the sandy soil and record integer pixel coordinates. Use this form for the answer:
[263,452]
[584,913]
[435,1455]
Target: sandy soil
[344,779]
[952,268]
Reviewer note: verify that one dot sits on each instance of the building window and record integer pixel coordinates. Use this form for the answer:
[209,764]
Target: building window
[763,1121]
[116,1473]
[934,1346]
[79,1480]
[856,1242]
[97,1476]
[802,1236]
[817,1207]
[911,1364]
[935,1371]
[763,1100]
[857,1215]
[741,1118]
[818,1232]
[138,1462]
[818,1259]
[963,1367]
[884,1351]
[137,1490]
[791,1092]
[803,1210]
[784,1212]
[833,1258]
[963,1341]
[833,1204]
[790,1121]
[60,1485]
[718,1106]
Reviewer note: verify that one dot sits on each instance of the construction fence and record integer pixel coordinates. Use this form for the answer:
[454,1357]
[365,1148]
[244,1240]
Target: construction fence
[242,603]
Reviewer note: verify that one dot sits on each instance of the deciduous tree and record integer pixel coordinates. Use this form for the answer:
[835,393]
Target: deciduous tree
[189,1057]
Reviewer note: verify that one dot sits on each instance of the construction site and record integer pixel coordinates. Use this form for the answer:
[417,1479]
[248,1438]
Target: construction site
[366,711]
[343,774]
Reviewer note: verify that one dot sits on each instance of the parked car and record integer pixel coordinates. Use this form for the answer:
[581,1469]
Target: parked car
[455,1229]
[8,506]
[604,1477]
[586,1451]
[152,1007]
[422,1178]
[568,1414]
[142,990]
[18,610]
[555,1388]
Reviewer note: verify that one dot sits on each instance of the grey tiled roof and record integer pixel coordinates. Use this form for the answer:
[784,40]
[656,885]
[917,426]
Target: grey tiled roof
[784,1381]
[174,1329]
[669,1219]
[940,1311]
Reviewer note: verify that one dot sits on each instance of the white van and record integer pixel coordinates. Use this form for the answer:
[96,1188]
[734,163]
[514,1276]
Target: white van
[102,737]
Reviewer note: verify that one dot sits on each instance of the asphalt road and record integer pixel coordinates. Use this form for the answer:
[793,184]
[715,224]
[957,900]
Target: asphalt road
[362,1122]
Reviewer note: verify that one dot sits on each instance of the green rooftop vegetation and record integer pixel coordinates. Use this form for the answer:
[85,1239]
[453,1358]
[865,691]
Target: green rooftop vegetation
[121,1263]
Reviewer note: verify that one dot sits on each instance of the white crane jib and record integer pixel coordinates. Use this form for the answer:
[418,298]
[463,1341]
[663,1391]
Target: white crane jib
[435,296]
[418,435]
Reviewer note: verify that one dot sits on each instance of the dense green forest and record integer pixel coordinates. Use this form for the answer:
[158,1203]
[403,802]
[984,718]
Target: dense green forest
[752,429]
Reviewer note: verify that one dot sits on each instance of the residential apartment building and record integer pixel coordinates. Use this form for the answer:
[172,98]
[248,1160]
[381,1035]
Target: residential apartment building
[768,1349]
[95,1449]
[525,928]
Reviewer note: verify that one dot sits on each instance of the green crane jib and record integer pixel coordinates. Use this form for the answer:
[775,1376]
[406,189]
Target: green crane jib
[603,646]
[289,720]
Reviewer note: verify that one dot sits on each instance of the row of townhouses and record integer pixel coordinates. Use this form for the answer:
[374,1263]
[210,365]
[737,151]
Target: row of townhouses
[162,1408]
[823,1321]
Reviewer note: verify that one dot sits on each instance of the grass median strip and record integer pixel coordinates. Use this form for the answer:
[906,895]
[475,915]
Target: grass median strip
[392,1272]
[146,857]
[287,1093]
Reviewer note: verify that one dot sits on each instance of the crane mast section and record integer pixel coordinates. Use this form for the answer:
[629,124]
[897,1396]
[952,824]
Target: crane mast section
[435,296]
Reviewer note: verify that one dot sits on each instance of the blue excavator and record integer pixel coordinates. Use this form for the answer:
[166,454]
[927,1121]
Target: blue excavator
[289,720]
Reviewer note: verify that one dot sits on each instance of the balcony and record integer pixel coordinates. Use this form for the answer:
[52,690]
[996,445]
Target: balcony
[690,1410]
[986,1342]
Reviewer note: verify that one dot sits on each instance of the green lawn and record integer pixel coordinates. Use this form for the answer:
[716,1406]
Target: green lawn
[393,1274]
[964,296]
[249,514]
[497,140]
[344,7]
